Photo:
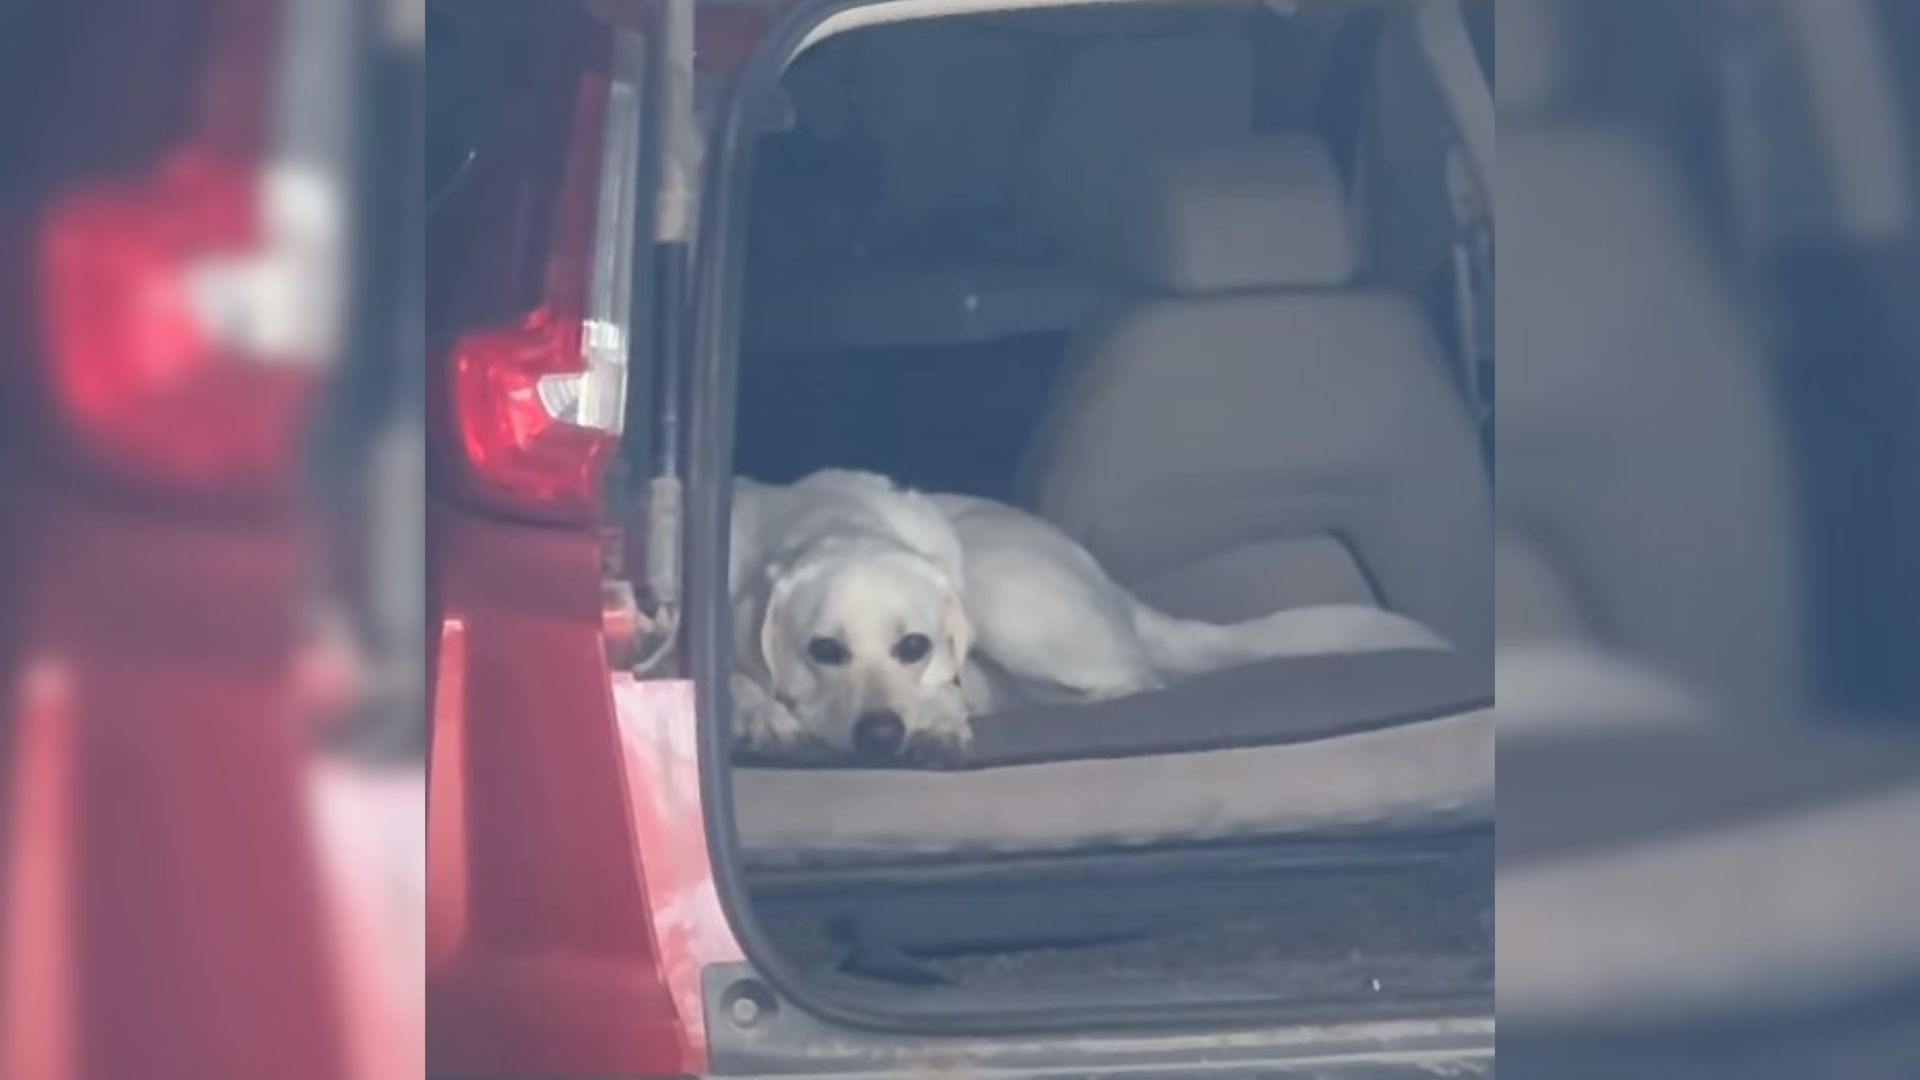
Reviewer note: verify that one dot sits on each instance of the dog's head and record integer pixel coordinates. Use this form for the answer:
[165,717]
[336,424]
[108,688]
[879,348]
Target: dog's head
[866,648]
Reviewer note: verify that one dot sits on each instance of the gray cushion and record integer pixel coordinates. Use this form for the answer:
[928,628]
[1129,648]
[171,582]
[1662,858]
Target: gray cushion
[1188,429]
[1419,777]
[1642,446]
[1367,744]
[1293,571]
[1290,700]
[1263,447]
[1195,217]
[1112,94]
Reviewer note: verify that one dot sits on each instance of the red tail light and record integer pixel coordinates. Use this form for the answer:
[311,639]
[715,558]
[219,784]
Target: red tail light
[512,390]
[152,305]
[536,408]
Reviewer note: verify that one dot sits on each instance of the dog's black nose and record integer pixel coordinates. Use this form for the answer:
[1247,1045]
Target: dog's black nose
[879,733]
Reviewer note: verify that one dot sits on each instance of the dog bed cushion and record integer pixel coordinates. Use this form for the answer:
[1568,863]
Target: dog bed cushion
[1357,743]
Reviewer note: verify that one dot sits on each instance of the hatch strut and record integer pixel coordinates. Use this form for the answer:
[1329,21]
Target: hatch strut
[673,124]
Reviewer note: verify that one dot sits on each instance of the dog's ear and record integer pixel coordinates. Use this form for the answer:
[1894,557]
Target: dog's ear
[778,655]
[956,633]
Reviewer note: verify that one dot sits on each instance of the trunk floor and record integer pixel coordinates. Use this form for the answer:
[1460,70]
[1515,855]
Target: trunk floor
[1325,936]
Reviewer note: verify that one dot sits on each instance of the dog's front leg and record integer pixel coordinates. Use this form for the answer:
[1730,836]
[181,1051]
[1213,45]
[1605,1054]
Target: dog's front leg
[760,722]
[946,733]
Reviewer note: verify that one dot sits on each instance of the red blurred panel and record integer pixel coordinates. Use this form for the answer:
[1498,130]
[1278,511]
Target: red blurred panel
[37,1021]
[159,793]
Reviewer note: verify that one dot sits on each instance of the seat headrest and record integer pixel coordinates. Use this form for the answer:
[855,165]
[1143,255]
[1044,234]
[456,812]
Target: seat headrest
[1266,212]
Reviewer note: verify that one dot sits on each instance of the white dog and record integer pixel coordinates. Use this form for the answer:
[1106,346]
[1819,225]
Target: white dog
[862,612]
[848,623]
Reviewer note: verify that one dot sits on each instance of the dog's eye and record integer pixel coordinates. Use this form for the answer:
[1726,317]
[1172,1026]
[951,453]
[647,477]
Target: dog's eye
[826,652]
[912,649]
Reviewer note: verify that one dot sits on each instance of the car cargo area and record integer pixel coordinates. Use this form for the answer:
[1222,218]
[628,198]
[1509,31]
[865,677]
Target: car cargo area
[1324,925]
[1182,280]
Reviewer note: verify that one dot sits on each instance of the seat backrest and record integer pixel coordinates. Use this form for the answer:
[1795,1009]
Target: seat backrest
[1255,433]
[1644,454]
[1112,93]
[1647,489]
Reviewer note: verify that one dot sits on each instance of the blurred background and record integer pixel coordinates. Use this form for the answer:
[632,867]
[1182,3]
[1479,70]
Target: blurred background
[1708,595]
[210,445]
[210,538]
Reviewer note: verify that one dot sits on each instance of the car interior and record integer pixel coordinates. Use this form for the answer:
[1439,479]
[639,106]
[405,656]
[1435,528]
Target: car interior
[1202,285]
[1208,285]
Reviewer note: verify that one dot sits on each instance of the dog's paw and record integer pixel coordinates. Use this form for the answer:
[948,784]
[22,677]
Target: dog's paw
[762,725]
[939,747]
[767,730]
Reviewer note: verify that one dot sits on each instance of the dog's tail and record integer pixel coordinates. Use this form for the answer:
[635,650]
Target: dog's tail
[1180,647]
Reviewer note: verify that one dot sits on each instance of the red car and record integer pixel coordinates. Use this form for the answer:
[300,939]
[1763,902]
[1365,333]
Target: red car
[1279,870]
[1207,285]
